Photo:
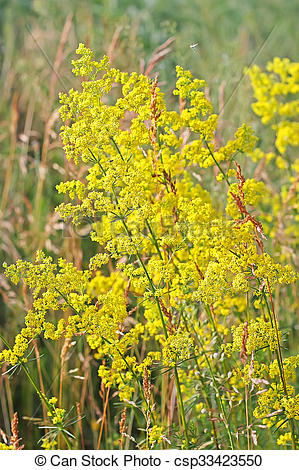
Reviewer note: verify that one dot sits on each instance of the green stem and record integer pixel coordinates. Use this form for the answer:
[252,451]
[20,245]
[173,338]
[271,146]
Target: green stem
[182,411]
[134,374]
[204,389]
[154,239]
[41,396]
[97,160]
[211,318]
[279,359]
[45,401]
[117,148]
[212,155]
[218,395]
[278,356]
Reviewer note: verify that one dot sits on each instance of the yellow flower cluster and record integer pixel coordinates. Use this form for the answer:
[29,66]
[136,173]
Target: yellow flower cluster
[271,88]
[156,434]
[172,270]
[60,287]
[177,348]
[258,333]
[275,400]
[289,365]
[5,446]
[49,444]
[276,93]
[56,414]
[253,190]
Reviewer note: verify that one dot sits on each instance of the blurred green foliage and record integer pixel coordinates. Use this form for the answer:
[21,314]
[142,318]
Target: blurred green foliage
[228,34]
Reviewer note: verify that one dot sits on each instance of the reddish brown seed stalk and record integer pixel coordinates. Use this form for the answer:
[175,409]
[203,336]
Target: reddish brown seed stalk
[243,353]
[169,182]
[240,203]
[122,422]
[199,271]
[15,440]
[80,423]
[146,385]
[155,114]
[168,315]
[122,426]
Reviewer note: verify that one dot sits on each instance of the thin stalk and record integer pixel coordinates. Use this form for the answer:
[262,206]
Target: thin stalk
[218,395]
[177,381]
[279,359]
[131,370]
[204,390]
[117,148]
[40,377]
[278,356]
[248,403]
[212,155]
[41,396]
[183,417]
[277,335]
[103,419]
[154,239]
[247,417]
[148,278]
[211,318]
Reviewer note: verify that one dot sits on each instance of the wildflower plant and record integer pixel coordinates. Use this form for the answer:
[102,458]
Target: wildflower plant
[177,302]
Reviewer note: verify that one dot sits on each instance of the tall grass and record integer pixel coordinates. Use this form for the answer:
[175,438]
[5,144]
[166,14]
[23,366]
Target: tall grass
[37,44]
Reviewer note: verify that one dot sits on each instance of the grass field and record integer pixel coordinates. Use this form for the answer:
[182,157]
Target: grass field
[216,41]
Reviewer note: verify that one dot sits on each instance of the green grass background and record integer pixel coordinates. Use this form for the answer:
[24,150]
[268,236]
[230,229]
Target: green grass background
[230,34]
